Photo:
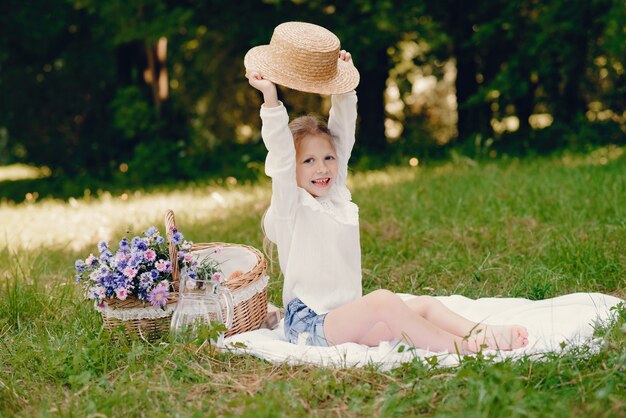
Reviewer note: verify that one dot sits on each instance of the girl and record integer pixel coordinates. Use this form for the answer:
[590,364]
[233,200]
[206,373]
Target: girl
[315,226]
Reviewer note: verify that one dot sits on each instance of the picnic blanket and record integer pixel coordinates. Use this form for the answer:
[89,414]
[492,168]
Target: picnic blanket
[554,325]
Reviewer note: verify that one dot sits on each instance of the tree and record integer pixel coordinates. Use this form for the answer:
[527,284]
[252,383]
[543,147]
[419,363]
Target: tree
[478,57]
[56,85]
[514,58]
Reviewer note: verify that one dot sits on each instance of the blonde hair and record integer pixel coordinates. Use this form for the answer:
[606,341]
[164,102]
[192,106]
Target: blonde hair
[309,125]
[268,247]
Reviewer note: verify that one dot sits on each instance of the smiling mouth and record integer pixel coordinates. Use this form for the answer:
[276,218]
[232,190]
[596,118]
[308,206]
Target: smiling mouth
[323,182]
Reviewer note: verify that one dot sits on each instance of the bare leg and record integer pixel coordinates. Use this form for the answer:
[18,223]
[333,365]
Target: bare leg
[504,337]
[382,315]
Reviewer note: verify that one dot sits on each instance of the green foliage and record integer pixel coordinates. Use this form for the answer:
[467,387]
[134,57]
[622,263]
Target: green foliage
[133,115]
[58,85]
[129,21]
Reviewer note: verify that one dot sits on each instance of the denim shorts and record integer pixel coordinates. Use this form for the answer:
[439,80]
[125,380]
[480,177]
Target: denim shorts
[303,326]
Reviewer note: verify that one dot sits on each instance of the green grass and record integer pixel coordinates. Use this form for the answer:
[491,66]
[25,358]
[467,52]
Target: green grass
[533,228]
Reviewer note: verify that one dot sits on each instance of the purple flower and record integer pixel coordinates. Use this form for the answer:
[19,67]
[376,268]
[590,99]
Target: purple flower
[160,240]
[79,265]
[136,259]
[108,281]
[177,238]
[124,244]
[103,246]
[139,244]
[151,231]
[105,256]
[158,295]
[121,265]
[145,280]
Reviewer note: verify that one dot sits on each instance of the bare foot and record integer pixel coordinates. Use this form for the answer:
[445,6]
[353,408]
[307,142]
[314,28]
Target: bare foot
[497,337]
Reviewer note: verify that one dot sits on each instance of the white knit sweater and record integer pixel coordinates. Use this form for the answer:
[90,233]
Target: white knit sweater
[317,238]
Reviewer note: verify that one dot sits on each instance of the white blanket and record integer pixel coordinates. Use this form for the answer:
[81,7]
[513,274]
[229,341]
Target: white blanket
[554,325]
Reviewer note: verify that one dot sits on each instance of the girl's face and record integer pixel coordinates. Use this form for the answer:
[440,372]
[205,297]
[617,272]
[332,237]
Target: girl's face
[316,164]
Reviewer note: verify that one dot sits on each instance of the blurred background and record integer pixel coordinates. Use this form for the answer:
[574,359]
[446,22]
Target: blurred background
[139,92]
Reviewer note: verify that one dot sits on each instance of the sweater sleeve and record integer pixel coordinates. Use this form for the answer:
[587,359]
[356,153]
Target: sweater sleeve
[342,124]
[280,163]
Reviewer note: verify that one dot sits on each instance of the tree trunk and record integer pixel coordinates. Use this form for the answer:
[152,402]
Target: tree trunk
[371,90]
[152,76]
[130,63]
[571,102]
[472,119]
[466,86]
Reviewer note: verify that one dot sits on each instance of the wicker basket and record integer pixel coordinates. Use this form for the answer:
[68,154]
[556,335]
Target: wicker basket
[249,289]
[138,318]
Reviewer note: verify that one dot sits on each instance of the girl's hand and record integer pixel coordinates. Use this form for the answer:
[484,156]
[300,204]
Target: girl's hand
[257,81]
[268,88]
[345,56]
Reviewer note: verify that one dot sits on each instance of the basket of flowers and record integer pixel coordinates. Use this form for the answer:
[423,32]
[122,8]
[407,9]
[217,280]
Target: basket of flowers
[242,270]
[135,286]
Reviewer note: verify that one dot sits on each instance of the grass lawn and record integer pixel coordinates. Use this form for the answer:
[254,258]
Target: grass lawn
[534,228]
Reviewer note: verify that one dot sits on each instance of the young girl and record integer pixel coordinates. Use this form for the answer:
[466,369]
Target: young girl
[315,226]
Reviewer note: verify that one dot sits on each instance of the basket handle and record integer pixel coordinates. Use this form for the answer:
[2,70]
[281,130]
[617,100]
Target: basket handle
[170,225]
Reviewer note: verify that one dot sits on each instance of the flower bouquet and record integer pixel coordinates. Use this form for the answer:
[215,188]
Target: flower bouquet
[136,285]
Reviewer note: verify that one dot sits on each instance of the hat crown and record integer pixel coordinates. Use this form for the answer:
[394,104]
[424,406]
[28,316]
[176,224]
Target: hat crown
[304,57]
[307,50]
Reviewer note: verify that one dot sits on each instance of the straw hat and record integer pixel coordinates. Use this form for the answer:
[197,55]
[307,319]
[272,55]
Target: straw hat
[305,57]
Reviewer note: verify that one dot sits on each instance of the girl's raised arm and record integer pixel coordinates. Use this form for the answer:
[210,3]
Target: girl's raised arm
[342,124]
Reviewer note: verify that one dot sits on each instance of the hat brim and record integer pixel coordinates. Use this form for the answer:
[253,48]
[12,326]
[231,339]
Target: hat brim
[259,59]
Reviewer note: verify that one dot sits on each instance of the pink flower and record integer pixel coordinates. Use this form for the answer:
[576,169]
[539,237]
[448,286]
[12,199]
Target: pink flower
[150,255]
[187,257]
[130,272]
[122,293]
[217,277]
[90,260]
[218,250]
[161,265]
